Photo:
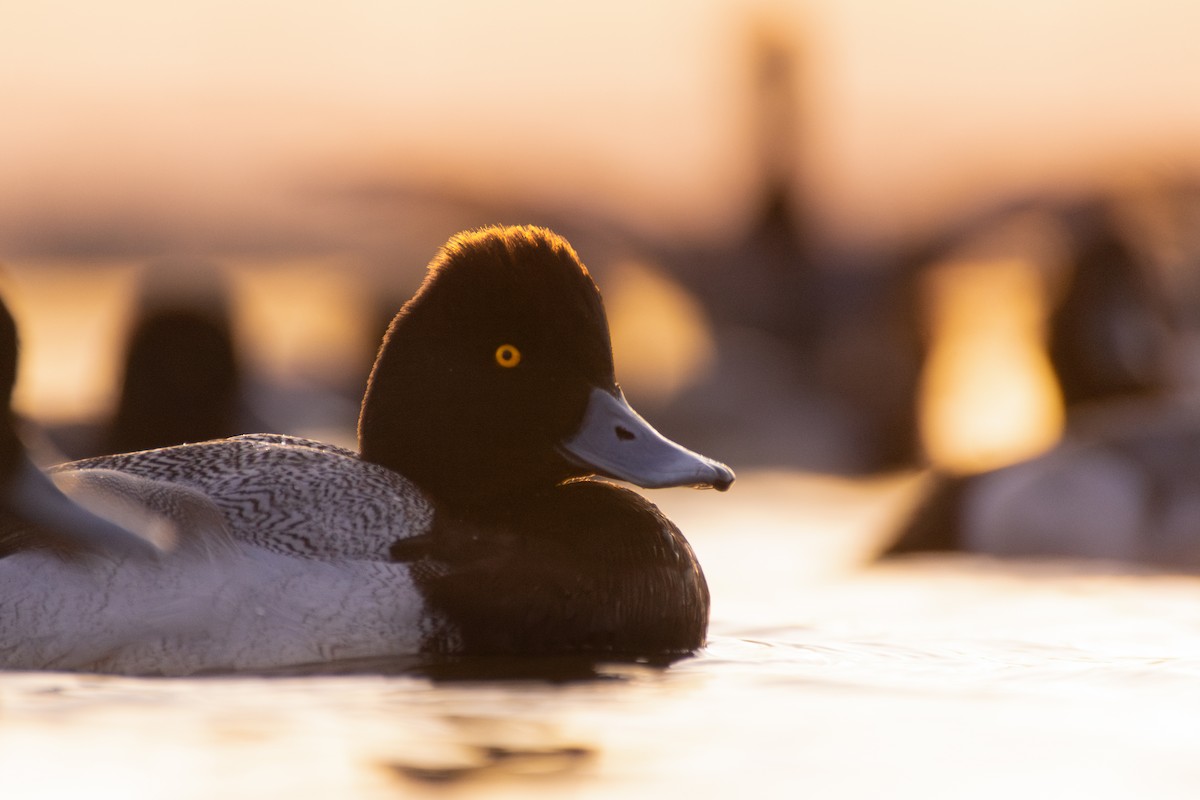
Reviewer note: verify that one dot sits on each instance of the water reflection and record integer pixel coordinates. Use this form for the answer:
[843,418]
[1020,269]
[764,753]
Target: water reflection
[918,678]
[552,669]
[490,749]
[931,674]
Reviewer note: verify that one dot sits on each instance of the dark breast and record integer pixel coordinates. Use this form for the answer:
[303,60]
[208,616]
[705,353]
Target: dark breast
[584,568]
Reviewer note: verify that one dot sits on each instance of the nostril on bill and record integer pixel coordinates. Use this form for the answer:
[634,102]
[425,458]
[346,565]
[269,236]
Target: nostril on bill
[624,434]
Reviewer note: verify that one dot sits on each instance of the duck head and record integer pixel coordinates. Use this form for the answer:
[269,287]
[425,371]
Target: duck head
[497,378]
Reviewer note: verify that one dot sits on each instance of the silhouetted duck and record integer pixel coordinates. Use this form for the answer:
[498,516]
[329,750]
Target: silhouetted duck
[1121,483]
[182,378]
[181,381]
[468,524]
[34,513]
[1126,493]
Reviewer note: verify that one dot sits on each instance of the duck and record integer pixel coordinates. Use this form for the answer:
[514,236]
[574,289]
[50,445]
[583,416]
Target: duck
[1119,485]
[1124,495]
[35,513]
[479,516]
[183,377]
[181,381]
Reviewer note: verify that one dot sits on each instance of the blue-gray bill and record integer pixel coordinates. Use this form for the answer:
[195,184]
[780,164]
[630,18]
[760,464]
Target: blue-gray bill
[617,443]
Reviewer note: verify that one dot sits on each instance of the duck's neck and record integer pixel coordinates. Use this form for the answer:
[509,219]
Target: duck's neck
[11,450]
[470,494]
[458,458]
[503,507]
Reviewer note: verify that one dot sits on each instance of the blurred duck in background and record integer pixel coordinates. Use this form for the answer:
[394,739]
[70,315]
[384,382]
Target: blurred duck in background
[34,511]
[181,383]
[1121,483]
[182,376]
[1111,334]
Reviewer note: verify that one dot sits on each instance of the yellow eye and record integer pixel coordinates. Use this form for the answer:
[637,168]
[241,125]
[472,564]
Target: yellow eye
[508,356]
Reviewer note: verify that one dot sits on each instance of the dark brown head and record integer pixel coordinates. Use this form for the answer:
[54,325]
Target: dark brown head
[488,380]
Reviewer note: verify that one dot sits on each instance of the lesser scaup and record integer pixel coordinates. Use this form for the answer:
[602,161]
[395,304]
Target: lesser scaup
[182,379]
[1120,483]
[470,523]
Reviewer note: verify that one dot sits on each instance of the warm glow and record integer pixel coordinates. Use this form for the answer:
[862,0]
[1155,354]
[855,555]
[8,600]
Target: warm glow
[320,152]
[303,320]
[207,116]
[989,396]
[295,321]
[72,326]
[661,337]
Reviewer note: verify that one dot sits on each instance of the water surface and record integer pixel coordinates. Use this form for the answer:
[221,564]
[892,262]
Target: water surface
[825,677]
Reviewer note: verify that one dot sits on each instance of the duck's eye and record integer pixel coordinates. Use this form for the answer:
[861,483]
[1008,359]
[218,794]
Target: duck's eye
[508,356]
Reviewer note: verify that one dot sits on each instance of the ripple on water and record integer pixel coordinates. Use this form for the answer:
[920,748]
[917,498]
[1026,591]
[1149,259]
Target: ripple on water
[945,678]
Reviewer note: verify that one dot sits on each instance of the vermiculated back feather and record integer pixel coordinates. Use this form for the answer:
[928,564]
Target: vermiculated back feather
[288,494]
